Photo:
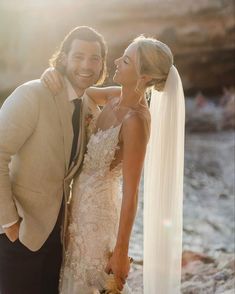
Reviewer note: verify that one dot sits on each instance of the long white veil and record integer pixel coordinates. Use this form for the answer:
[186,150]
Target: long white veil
[163,189]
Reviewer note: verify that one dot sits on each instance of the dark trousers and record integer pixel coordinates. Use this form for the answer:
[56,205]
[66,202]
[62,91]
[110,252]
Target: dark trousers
[25,272]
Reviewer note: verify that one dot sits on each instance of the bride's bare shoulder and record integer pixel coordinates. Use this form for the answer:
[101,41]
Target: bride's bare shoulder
[137,124]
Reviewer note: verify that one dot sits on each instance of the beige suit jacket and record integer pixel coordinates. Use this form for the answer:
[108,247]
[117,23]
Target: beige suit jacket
[36,136]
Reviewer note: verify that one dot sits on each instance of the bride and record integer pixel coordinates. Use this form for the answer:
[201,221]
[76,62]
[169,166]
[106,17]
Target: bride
[102,211]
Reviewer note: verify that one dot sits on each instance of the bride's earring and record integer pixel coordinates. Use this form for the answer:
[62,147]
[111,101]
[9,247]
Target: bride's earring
[140,89]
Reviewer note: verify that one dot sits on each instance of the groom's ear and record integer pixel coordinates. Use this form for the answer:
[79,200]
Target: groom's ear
[63,58]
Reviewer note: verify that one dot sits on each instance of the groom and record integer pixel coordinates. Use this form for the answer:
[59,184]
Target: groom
[42,143]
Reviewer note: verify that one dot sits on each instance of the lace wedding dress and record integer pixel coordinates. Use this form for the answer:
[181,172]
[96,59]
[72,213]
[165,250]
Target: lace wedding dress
[94,216]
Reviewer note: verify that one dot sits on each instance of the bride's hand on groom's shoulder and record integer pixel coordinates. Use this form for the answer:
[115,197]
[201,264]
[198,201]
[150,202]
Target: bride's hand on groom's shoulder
[12,232]
[53,80]
[119,265]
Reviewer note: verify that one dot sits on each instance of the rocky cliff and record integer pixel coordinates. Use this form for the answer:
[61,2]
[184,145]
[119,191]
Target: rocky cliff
[201,34]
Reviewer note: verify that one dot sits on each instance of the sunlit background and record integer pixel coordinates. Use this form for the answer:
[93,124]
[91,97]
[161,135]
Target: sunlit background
[201,35]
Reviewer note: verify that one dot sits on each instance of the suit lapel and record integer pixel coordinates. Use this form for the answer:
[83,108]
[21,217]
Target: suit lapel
[81,139]
[88,107]
[65,114]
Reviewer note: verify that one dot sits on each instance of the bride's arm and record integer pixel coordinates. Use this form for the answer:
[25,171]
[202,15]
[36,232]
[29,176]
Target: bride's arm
[101,95]
[53,80]
[135,138]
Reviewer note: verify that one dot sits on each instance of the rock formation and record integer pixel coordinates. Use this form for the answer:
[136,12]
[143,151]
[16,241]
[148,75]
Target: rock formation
[201,34]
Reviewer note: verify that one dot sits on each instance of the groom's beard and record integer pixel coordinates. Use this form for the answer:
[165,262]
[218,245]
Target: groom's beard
[81,80]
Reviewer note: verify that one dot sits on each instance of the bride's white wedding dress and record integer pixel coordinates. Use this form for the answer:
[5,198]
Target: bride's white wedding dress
[94,218]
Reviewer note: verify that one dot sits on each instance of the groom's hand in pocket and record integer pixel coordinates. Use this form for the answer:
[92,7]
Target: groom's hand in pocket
[12,232]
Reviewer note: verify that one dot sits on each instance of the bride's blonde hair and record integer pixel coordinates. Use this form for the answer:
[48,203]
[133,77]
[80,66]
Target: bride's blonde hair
[155,59]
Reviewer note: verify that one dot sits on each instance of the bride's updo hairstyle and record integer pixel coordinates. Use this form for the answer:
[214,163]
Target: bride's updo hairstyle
[155,59]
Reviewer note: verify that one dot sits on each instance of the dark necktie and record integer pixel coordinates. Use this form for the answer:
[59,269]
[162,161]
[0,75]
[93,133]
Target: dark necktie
[76,124]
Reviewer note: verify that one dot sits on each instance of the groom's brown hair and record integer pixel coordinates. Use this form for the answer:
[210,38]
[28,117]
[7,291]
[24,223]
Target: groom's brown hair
[83,33]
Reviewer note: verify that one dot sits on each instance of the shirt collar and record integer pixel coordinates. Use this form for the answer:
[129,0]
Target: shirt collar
[72,95]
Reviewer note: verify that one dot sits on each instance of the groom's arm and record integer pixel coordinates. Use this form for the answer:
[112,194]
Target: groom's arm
[18,118]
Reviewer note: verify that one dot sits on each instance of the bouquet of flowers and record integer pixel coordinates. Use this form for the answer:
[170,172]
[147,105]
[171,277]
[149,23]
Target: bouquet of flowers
[101,282]
[109,285]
